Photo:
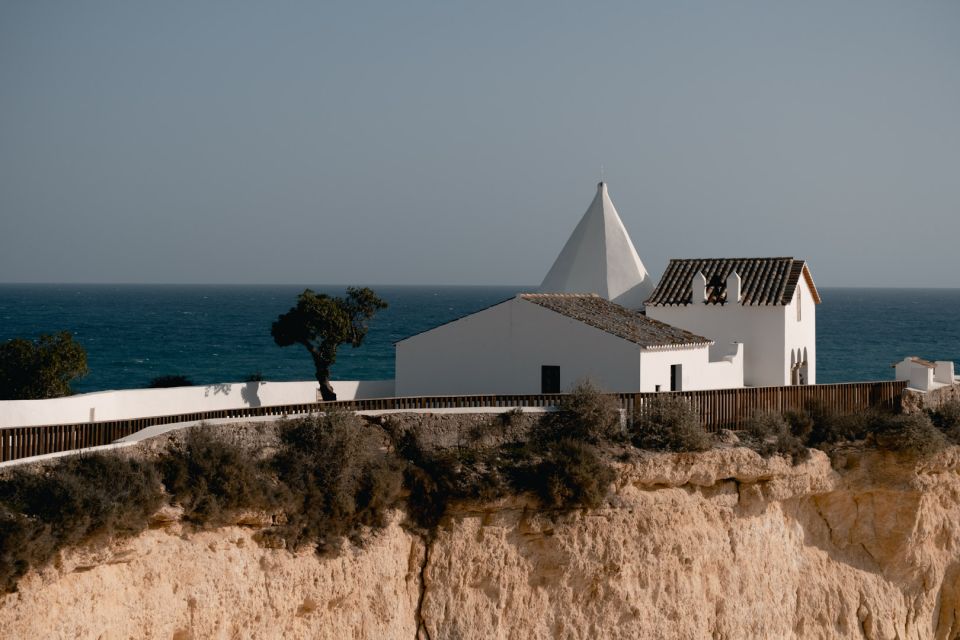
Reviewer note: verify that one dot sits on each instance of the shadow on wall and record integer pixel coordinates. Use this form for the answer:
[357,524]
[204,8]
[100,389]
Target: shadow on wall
[250,392]
[223,387]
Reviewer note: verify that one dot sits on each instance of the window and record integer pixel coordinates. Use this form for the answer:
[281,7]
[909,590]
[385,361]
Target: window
[549,379]
[676,377]
[799,301]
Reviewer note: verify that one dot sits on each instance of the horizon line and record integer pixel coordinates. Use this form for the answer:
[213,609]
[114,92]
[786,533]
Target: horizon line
[362,284]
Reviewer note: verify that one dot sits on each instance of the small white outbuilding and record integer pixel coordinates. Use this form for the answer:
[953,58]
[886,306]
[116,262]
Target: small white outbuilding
[924,375]
[546,343]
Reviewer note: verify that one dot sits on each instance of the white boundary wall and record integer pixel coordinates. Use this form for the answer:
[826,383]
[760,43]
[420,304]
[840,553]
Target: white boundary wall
[144,403]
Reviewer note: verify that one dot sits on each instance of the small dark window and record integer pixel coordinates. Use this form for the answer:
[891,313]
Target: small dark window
[676,377]
[549,379]
[657,389]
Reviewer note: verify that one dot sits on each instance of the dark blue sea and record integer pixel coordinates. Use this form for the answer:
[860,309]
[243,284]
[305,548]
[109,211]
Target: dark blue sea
[221,333]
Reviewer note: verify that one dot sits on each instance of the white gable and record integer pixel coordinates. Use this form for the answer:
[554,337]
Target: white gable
[600,258]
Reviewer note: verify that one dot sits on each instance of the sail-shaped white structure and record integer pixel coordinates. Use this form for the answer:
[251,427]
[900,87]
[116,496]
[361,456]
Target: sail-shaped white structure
[600,258]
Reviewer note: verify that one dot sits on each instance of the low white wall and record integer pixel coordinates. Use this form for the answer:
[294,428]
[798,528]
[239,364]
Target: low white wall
[698,370]
[144,403]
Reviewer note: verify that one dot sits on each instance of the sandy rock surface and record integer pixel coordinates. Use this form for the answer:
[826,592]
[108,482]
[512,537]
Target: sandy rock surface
[719,545]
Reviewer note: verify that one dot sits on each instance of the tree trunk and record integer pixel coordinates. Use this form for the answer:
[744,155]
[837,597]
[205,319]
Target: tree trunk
[326,391]
[322,368]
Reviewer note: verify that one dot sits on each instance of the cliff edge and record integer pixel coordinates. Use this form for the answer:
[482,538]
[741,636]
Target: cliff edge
[720,544]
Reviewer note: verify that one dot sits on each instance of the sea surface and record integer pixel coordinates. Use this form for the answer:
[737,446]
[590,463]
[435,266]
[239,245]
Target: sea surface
[221,333]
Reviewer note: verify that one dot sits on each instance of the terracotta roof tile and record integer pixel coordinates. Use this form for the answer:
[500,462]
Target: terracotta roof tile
[763,281]
[619,321]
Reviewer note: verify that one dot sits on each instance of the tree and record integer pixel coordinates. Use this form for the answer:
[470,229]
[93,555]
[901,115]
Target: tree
[322,323]
[33,370]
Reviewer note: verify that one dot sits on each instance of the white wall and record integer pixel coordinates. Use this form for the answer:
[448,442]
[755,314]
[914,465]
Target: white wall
[143,403]
[698,371]
[801,335]
[500,351]
[768,333]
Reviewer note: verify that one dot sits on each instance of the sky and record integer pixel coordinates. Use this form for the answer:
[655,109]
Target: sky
[459,143]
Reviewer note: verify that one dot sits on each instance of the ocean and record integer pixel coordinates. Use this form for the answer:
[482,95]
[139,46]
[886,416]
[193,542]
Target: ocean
[221,333]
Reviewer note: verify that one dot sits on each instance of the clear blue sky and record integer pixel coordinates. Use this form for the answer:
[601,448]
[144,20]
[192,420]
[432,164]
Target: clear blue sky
[459,143]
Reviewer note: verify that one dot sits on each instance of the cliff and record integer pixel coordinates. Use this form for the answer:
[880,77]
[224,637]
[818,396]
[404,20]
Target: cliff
[722,544]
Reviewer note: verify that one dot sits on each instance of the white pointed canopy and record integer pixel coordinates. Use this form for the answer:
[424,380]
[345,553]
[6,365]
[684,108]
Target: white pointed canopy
[600,258]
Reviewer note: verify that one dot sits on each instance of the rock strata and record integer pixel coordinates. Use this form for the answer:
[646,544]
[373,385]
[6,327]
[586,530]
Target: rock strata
[717,545]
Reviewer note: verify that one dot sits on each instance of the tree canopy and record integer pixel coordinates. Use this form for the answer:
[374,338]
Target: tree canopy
[322,323]
[42,368]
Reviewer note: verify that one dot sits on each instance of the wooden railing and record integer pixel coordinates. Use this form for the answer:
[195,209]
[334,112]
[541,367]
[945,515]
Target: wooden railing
[730,408]
[720,408]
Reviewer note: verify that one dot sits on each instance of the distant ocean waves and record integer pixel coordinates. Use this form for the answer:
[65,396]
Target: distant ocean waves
[133,333]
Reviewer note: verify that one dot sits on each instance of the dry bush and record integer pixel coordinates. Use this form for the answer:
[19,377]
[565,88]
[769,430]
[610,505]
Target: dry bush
[771,433]
[829,426]
[70,502]
[587,414]
[570,474]
[210,477]
[668,423]
[947,419]
[911,433]
[337,476]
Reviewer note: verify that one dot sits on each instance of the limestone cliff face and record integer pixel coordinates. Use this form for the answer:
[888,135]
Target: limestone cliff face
[715,545]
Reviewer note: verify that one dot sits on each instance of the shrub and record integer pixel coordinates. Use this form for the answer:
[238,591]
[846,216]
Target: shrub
[337,477]
[913,433]
[771,433]
[586,414]
[165,382]
[209,477]
[73,500]
[829,426]
[947,419]
[41,368]
[570,474]
[668,423]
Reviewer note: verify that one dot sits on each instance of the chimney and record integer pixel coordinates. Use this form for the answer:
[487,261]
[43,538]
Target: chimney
[733,287]
[698,288]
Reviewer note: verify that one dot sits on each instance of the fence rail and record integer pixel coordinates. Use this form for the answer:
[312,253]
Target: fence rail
[720,408]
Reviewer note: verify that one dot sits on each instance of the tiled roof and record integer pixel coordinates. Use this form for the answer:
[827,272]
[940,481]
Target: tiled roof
[763,281]
[602,314]
[919,361]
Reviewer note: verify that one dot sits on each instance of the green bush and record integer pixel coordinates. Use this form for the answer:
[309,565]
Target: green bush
[912,433]
[71,501]
[41,368]
[210,477]
[337,478]
[667,423]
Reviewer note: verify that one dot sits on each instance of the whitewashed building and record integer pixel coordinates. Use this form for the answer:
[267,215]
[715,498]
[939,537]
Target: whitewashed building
[546,343]
[924,375]
[600,258]
[768,304]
